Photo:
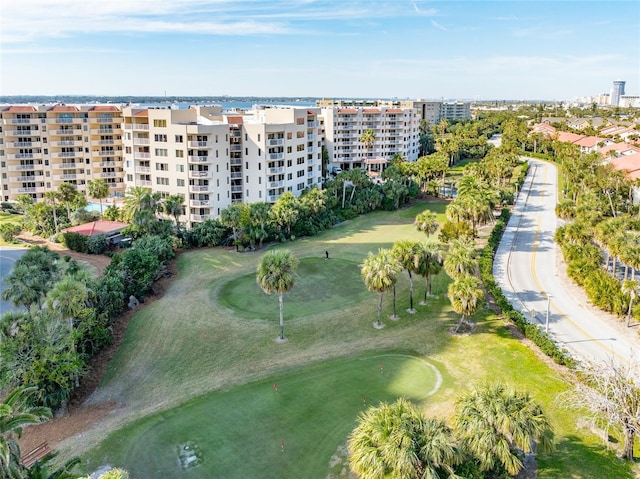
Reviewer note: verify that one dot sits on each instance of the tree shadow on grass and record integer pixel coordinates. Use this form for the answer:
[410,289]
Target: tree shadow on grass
[584,460]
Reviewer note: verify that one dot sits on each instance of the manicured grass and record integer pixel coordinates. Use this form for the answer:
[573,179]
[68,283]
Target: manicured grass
[191,346]
[313,410]
[320,285]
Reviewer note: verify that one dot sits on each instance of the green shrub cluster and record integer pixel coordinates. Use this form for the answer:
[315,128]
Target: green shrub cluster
[531,331]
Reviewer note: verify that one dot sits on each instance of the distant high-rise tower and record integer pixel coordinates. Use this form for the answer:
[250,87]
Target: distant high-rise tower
[617,92]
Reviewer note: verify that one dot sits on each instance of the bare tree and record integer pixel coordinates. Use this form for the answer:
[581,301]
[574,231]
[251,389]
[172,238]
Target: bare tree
[610,391]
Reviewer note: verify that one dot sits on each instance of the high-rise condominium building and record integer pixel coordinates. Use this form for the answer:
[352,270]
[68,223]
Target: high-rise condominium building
[617,92]
[43,147]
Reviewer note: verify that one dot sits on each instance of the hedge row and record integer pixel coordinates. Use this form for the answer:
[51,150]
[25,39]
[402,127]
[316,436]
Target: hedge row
[531,331]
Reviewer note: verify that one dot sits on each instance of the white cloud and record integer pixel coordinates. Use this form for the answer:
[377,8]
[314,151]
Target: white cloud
[439,26]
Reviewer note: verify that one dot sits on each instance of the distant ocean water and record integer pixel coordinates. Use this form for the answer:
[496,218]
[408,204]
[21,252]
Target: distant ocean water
[227,103]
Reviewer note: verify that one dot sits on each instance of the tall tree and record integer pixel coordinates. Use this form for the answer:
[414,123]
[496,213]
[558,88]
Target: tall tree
[52,198]
[465,296]
[275,274]
[460,259]
[368,139]
[496,421]
[406,253]
[98,189]
[173,205]
[15,414]
[397,441]
[429,262]
[427,222]
[68,195]
[630,288]
[259,219]
[379,273]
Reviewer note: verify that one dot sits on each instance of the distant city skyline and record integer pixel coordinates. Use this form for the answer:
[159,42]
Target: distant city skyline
[541,50]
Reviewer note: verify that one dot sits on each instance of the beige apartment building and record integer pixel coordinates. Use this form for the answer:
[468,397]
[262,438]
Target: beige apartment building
[396,131]
[44,146]
[214,159]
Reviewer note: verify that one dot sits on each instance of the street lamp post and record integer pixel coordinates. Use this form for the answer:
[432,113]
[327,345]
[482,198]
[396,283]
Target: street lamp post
[548,308]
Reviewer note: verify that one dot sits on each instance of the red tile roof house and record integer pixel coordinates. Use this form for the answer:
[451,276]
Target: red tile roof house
[110,228]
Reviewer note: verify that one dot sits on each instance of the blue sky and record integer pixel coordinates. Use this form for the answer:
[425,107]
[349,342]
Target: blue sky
[322,48]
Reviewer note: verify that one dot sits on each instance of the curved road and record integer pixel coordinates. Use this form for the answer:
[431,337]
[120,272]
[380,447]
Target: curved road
[525,269]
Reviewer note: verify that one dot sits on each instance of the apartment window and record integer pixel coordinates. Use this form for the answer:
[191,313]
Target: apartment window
[162,138]
[179,154]
[246,137]
[246,151]
[160,123]
[299,121]
[259,166]
[162,167]
[299,134]
[127,149]
[259,180]
[300,174]
[289,136]
[162,181]
[218,195]
[216,138]
[247,192]
[179,139]
[259,151]
[300,186]
[161,152]
[258,136]
[46,151]
[300,161]
[289,163]
[289,149]
[180,168]
[129,178]
[300,148]
[217,169]
[259,194]
[128,164]
[246,165]
[289,176]
[179,182]
[216,153]
[247,179]
[218,182]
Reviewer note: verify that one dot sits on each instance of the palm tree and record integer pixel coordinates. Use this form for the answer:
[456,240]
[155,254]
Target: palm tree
[98,189]
[460,259]
[259,218]
[52,197]
[173,205]
[275,274]
[427,222]
[406,253]
[368,139]
[465,296]
[15,414]
[429,262]
[396,441]
[496,421]
[630,288]
[68,195]
[379,274]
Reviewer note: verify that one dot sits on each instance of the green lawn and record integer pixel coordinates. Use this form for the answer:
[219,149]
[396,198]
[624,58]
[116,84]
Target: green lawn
[198,365]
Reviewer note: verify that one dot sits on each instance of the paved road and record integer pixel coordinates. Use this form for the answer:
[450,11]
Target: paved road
[525,269]
[8,257]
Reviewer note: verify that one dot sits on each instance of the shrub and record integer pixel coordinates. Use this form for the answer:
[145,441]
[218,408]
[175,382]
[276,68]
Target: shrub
[161,248]
[97,244]
[75,242]
[9,231]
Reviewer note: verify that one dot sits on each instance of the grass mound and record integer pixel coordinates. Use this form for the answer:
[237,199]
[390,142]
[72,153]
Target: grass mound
[320,286]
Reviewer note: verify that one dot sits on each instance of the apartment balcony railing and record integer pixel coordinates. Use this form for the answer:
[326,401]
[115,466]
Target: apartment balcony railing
[200,187]
[275,156]
[102,131]
[312,124]
[23,132]
[235,134]
[235,161]
[276,171]
[310,174]
[199,144]
[21,156]
[139,155]
[272,198]
[141,141]
[66,154]
[107,152]
[68,176]
[66,132]
[311,149]
[108,164]
[67,121]
[144,183]
[236,189]
[276,184]
[235,148]
[18,191]
[141,126]
[142,169]
[21,121]
[236,175]
[199,174]
[23,167]
[68,143]
[275,142]
[105,120]
[208,203]
[26,178]
[106,142]
[199,217]
[198,159]
[108,174]
[25,144]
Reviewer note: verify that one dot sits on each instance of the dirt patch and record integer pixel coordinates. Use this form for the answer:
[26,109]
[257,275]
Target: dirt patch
[79,417]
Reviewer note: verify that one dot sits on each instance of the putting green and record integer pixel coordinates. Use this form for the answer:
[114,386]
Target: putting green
[320,285]
[258,430]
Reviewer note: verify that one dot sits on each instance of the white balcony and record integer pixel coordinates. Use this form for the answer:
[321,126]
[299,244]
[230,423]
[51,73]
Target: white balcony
[69,176]
[235,161]
[275,142]
[107,152]
[67,166]
[25,144]
[23,132]
[141,126]
[200,187]
[198,159]
[208,203]
[67,132]
[312,124]
[67,121]
[21,156]
[199,217]
[272,198]
[310,174]
[142,169]
[199,174]
[139,155]
[68,143]
[23,167]
[22,121]
[106,142]
[236,175]
[141,141]
[105,120]
[27,178]
[275,156]
[66,154]
[236,189]
[199,144]
[276,184]
[103,131]
[144,183]
[235,148]
[20,191]
[108,174]
[276,171]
